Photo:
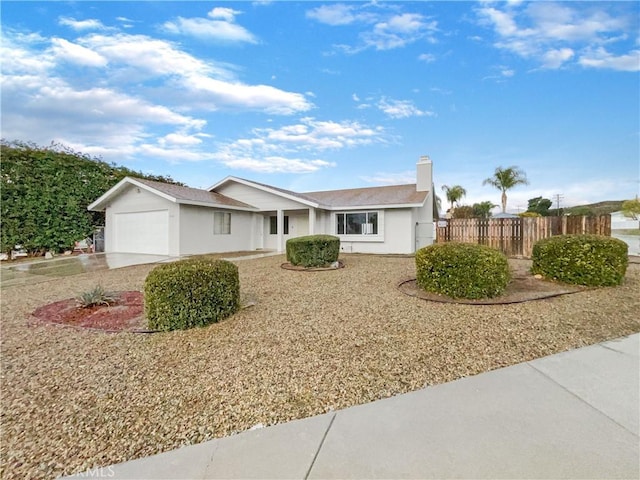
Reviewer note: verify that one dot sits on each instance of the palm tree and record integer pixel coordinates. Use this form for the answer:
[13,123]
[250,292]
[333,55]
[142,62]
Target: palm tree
[505,179]
[483,209]
[454,194]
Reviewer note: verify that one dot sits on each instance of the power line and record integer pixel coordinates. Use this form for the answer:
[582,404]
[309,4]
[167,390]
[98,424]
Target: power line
[558,197]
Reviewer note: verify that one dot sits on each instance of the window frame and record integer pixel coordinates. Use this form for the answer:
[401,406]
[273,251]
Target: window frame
[341,220]
[222,227]
[273,224]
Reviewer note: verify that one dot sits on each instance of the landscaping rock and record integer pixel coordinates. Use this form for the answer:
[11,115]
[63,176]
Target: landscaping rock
[73,399]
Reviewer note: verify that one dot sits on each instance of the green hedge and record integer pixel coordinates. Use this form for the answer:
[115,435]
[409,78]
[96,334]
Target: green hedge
[191,293]
[591,260]
[313,250]
[462,270]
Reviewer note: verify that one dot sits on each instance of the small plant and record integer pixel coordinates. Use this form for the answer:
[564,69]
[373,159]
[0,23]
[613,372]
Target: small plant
[96,296]
[313,250]
[191,293]
[590,260]
[462,270]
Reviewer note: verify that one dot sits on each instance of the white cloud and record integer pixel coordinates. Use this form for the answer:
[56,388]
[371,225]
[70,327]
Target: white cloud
[226,14]
[220,26]
[89,24]
[502,73]
[217,94]
[560,22]
[286,148]
[205,85]
[18,56]
[557,57]
[398,31]
[336,14]
[554,34]
[398,178]
[148,56]
[74,53]
[312,134]
[401,109]
[600,58]
[427,57]
[173,139]
[386,30]
[277,164]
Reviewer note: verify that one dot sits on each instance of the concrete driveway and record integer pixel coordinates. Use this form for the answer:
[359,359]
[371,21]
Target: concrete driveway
[43,270]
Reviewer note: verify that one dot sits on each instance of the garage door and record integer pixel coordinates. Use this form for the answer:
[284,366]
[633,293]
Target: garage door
[142,232]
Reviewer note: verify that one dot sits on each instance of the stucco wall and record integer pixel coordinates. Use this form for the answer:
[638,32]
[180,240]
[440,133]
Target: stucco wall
[298,226]
[134,199]
[258,198]
[394,234]
[196,231]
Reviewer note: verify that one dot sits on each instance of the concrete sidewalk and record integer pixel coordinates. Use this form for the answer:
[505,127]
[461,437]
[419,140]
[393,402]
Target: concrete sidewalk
[570,415]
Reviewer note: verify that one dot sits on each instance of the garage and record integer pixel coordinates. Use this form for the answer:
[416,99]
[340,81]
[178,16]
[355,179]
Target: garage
[142,232]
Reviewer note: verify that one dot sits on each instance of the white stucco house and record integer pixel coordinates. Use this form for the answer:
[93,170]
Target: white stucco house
[620,222]
[143,216]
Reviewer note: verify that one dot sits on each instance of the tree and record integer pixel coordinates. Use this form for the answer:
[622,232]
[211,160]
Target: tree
[454,194]
[505,179]
[45,193]
[437,206]
[539,205]
[464,211]
[483,209]
[631,209]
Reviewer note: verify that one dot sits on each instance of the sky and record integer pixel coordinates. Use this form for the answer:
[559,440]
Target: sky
[314,96]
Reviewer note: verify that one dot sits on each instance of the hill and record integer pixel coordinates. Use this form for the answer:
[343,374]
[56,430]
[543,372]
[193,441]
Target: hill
[599,208]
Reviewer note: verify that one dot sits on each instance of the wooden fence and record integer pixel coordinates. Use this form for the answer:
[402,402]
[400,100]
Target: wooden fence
[516,236]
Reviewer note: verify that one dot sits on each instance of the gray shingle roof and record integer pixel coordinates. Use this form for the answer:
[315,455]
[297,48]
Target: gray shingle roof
[369,196]
[196,195]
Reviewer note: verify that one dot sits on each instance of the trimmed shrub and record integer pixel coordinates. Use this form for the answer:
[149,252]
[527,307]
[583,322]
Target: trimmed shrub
[191,293]
[591,260]
[462,270]
[313,250]
[529,215]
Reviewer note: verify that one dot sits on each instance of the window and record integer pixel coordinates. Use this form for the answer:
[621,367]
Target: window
[221,223]
[361,223]
[273,225]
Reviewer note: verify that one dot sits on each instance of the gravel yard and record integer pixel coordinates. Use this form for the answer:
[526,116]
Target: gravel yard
[75,399]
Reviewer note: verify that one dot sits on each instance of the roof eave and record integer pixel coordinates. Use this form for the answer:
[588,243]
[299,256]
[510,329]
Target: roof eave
[378,207]
[221,206]
[118,187]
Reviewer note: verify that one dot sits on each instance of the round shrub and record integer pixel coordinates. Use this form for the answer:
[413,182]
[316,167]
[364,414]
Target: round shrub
[313,250]
[591,260]
[191,293]
[462,270]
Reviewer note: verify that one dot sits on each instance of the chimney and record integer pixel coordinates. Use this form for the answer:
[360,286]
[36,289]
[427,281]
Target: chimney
[424,174]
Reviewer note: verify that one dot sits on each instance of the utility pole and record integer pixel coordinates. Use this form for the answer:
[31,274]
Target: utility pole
[558,197]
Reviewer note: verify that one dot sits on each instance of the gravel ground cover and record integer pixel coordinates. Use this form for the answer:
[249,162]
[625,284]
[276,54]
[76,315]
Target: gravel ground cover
[313,342]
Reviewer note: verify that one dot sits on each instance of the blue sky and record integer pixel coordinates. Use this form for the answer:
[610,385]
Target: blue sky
[322,95]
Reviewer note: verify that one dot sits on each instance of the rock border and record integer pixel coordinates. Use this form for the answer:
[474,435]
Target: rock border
[410,288]
[297,268]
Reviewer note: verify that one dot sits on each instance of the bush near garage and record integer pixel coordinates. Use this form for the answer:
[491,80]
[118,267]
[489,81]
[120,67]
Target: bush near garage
[313,250]
[462,270]
[191,293]
[591,260]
